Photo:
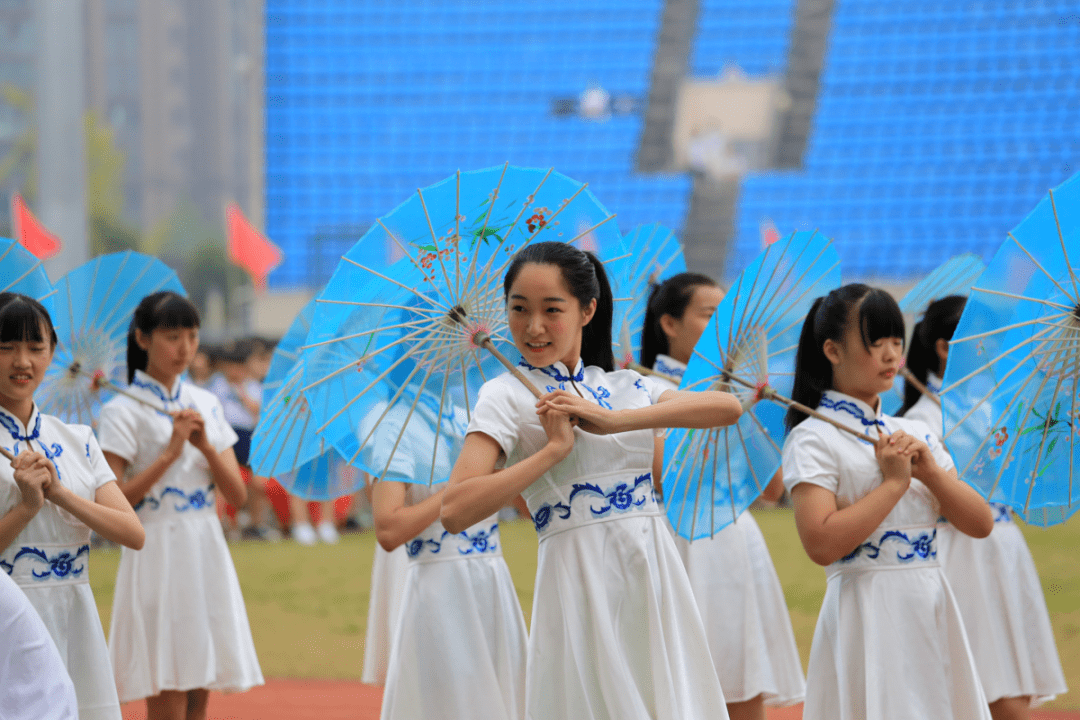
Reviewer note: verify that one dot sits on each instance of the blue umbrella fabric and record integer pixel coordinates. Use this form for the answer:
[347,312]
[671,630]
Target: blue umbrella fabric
[711,476]
[92,309]
[955,276]
[21,272]
[414,343]
[287,351]
[1009,401]
[652,255]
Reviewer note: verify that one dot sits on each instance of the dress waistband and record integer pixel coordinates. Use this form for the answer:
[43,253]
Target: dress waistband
[891,550]
[172,500]
[47,564]
[604,498]
[436,544]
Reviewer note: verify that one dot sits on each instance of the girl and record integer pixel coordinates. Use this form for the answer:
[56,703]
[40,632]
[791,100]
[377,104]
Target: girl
[55,492]
[995,581]
[889,640]
[734,581]
[179,628]
[615,631]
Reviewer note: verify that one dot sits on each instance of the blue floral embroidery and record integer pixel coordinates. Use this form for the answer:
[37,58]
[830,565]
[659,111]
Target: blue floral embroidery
[195,500]
[601,394]
[87,451]
[13,427]
[52,453]
[416,545]
[1001,512]
[921,546]
[851,409]
[60,566]
[483,541]
[640,385]
[620,498]
[676,373]
[542,516]
[156,390]
[932,386]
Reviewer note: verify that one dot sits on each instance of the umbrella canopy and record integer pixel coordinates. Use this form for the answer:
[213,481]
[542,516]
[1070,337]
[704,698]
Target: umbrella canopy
[711,476]
[92,309]
[390,349]
[1009,399]
[21,272]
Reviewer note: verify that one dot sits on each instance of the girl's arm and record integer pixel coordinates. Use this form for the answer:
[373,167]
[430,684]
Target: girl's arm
[658,467]
[224,469]
[775,489]
[829,533]
[109,514]
[135,488]
[960,503]
[396,524]
[32,482]
[674,409]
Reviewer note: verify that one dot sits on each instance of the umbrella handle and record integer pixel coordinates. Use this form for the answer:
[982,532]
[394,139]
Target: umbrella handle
[102,381]
[910,377]
[642,370]
[484,341]
[768,393]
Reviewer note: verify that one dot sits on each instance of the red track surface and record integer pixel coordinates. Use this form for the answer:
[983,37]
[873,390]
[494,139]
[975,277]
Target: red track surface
[340,700]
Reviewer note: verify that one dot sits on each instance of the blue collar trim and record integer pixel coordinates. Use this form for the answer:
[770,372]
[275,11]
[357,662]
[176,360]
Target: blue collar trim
[852,409]
[553,372]
[12,426]
[156,388]
[663,364]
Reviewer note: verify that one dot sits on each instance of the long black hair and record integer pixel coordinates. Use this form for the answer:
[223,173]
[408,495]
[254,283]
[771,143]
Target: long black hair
[670,297]
[163,309]
[938,322]
[22,317]
[584,275]
[878,316]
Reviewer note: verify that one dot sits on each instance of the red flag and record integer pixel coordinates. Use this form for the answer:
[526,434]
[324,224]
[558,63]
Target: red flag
[769,233]
[31,233]
[249,249]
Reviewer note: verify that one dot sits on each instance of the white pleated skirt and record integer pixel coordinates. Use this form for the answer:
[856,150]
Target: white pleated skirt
[890,643]
[384,608]
[1001,600]
[746,619]
[459,650]
[615,629]
[178,617]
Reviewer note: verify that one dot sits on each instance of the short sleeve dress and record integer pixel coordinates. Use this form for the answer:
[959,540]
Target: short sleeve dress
[889,641]
[997,588]
[50,558]
[178,617]
[615,631]
[741,602]
[384,607]
[459,645]
[35,681]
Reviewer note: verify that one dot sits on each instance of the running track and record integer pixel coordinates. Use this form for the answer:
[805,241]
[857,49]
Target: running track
[340,700]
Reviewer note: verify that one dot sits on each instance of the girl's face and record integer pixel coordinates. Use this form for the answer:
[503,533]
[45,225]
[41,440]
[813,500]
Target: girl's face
[860,371]
[169,350]
[22,368]
[683,333]
[545,318]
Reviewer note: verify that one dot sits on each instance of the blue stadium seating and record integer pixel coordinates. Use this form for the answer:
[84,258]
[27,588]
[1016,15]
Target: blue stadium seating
[751,34]
[938,127]
[368,101]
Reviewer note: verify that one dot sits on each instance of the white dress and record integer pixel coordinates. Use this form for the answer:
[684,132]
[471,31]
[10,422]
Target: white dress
[35,682]
[615,631]
[460,643]
[178,617]
[741,603]
[384,608]
[50,558]
[1000,597]
[889,642]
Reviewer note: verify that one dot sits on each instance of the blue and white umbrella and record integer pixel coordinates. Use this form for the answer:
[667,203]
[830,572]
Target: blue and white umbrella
[21,272]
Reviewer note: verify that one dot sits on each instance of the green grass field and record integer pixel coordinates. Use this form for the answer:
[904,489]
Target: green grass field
[308,606]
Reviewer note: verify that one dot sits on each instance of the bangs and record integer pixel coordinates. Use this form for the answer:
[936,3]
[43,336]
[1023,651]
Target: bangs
[880,317]
[175,311]
[22,320]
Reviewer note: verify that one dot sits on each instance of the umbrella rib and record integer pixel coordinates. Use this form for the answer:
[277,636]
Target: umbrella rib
[1042,442]
[712,485]
[405,424]
[676,473]
[775,298]
[753,315]
[413,308]
[422,323]
[128,287]
[465,386]
[1026,298]
[1016,439]
[697,487]
[483,228]
[414,291]
[71,314]
[1037,337]
[112,328]
[10,246]
[438,251]
[438,433]
[765,432]
[22,277]
[802,295]
[749,465]
[457,233]
[405,250]
[1065,252]
[1041,268]
[352,363]
[1072,429]
[1036,321]
[295,418]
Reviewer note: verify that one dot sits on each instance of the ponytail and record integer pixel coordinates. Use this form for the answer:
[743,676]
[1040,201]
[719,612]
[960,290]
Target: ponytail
[596,336]
[938,323]
[670,297]
[878,316]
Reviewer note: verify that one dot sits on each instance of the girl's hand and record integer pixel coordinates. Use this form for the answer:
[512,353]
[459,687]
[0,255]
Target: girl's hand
[894,457]
[33,479]
[590,417]
[560,431]
[186,423]
[923,465]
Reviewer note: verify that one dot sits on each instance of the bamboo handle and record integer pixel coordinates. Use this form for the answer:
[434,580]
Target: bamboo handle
[484,340]
[641,369]
[104,382]
[910,377]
